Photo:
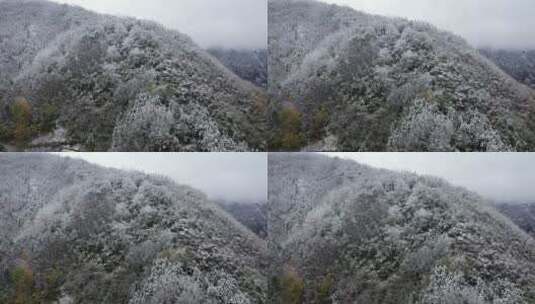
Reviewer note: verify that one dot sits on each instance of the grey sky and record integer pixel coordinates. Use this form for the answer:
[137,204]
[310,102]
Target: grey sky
[497,23]
[503,177]
[240,177]
[226,23]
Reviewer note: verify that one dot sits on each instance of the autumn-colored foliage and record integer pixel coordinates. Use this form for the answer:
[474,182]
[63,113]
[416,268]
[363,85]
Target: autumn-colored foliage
[21,112]
[49,114]
[319,122]
[290,130]
[292,287]
[325,289]
[22,278]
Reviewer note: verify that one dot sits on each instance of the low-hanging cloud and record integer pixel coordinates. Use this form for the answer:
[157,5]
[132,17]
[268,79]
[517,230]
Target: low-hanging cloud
[238,24]
[502,177]
[484,23]
[235,177]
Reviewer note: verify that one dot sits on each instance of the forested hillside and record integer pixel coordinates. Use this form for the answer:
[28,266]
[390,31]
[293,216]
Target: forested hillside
[73,79]
[520,64]
[342,232]
[77,233]
[251,215]
[346,80]
[522,214]
[250,65]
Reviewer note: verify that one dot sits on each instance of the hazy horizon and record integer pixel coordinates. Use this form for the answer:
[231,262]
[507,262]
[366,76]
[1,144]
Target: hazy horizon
[237,24]
[233,177]
[484,23]
[501,177]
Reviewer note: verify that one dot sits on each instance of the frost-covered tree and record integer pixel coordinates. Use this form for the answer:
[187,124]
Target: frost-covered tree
[452,288]
[146,126]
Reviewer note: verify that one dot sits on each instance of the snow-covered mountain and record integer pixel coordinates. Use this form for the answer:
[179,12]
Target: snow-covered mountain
[342,232]
[77,233]
[346,80]
[97,82]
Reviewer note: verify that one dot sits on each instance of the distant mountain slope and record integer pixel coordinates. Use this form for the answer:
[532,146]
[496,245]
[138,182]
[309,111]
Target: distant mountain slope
[250,65]
[77,233]
[105,83]
[251,215]
[342,232]
[520,64]
[522,215]
[369,83]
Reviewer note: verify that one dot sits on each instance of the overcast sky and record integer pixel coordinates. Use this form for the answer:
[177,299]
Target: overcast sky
[503,177]
[226,23]
[240,177]
[497,23]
